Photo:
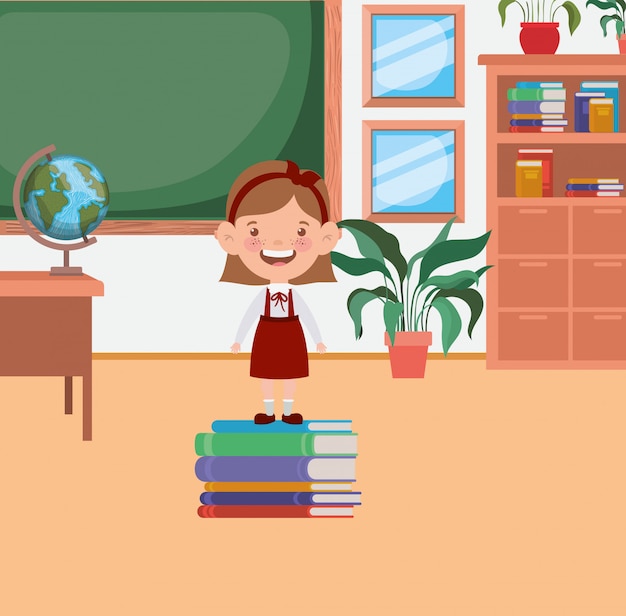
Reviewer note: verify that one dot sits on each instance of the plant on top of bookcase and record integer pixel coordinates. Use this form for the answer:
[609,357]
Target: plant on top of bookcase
[539,32]
[413,287]
[617,15]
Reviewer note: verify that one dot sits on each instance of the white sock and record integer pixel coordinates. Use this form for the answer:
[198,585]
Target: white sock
[287,404]
[269,407]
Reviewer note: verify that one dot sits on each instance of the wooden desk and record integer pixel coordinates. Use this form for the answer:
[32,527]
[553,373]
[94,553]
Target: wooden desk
[45,322]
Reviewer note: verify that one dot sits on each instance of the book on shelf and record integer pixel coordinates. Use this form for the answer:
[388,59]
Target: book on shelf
[276,444]
[528,178]
[610,89]
[537,116]
[593,186]
[546,156]
[280,498]
[601,115]
[312,425]
[593,193]
[275,468]
[274,511]
[581,110]
[536,94]
[593,181]
[536,107]
[538,122]
[277,486]
[536,129]
[539,84]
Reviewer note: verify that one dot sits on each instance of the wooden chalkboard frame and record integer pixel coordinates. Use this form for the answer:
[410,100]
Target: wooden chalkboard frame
[332,150]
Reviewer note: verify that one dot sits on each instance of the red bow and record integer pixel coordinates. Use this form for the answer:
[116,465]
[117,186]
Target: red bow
[277,298]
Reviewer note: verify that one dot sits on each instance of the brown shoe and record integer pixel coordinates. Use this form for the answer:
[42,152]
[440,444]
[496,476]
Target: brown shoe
[294,418]
[263,418]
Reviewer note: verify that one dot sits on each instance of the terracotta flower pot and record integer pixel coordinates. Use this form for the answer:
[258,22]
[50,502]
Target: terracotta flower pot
[539,37]
[621,43]
[408,353]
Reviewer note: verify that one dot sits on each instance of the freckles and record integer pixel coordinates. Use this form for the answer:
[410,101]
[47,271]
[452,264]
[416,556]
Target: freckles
[253,244]
[302,244]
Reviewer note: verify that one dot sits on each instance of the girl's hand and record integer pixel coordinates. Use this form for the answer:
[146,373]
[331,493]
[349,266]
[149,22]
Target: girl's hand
[235,348]
[321,347]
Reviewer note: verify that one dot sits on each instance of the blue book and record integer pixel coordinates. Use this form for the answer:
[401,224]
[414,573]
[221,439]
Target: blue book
[581,110]
[539,84]
[280,498]
[609,89]
[275,468]
[536,106]
[312,425]
[594,187]
[538,122]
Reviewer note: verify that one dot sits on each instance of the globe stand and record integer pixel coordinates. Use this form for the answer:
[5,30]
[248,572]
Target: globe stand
[65,270]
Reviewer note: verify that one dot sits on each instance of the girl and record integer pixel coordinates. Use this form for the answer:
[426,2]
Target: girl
[277,233]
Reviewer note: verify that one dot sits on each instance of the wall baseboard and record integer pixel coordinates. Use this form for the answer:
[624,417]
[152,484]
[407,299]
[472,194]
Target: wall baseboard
[246,356]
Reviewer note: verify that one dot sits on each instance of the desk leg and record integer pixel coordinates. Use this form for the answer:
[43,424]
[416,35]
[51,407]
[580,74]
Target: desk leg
[87,406]
[68,395]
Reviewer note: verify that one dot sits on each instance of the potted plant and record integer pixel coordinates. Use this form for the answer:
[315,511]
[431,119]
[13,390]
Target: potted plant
[412,288]
[539,33]
[617,9]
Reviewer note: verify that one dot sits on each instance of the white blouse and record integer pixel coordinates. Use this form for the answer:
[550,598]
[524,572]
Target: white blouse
[278,309]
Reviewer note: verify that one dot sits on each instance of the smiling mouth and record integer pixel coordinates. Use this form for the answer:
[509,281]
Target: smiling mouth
[278,257]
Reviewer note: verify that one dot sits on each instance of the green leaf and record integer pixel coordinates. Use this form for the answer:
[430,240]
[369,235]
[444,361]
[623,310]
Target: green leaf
[605,5]
[367,246]
[474,301]
[386,242]
[460,280]
[359,298]
[443,235]
[450,322]
[604,21]
[391,314]
[502,7]
[573,15]
[356,266]
[451,251]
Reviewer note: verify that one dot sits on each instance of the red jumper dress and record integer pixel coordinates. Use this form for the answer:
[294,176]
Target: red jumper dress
[279,347]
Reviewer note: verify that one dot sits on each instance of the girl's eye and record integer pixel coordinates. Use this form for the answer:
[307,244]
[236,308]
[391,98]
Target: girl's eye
[301,232]
[254,231]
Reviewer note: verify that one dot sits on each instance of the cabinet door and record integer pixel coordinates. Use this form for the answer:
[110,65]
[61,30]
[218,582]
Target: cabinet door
[532,230]
[532,283]
[599,283]
[600,229]
[533,336]
[599,336]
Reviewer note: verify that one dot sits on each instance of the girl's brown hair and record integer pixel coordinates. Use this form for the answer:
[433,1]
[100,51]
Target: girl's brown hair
[267,187]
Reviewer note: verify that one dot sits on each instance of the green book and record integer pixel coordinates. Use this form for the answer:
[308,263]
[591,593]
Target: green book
[536,94]
[276,444]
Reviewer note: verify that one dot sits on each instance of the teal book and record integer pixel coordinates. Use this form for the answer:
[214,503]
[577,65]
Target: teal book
[536,94]
[539,84]
[312,425]
[276,444]
[611,90]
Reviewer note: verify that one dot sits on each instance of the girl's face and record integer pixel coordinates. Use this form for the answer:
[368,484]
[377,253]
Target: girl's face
[278,246]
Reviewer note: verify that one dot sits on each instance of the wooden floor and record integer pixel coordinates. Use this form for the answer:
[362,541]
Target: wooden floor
[491,493]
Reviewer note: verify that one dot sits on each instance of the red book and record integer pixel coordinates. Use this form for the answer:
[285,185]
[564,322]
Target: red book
[546,156]
[536,129]
[274,511]
[593,193]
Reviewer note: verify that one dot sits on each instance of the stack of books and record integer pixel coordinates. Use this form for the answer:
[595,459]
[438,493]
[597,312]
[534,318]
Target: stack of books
[596,107]
[593,187]
[533,172]
[277,470]
[537,107]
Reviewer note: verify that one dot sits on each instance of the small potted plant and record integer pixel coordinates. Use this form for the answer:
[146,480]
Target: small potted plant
[539,32]
[412,288]
[617,12]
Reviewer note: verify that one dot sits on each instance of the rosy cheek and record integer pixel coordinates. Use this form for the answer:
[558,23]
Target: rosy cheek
[302,244]
[253,244]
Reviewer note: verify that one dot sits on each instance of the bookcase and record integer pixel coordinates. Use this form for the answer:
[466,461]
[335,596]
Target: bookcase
[556,297]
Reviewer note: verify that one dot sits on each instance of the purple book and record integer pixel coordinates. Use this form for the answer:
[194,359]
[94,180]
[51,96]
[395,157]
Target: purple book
[280,498]
[275,468]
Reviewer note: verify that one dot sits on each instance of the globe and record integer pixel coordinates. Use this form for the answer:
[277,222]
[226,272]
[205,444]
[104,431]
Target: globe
[66,197]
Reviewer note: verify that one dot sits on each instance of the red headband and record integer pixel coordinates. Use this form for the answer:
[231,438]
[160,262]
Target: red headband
[293,173]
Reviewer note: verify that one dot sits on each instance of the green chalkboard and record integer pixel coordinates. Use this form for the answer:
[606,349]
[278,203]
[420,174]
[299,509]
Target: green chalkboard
[170,100]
